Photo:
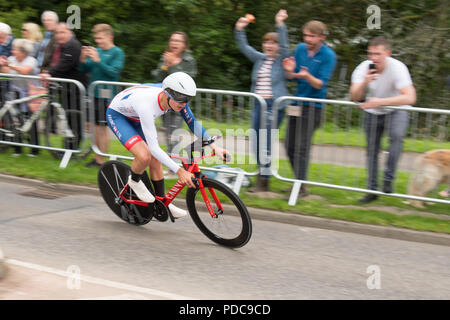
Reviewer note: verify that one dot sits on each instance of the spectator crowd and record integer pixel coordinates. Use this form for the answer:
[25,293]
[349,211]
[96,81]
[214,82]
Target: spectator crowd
[377,82]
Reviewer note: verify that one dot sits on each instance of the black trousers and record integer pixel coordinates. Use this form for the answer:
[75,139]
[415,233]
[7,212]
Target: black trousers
[31,137]
[68,95]
[298,140]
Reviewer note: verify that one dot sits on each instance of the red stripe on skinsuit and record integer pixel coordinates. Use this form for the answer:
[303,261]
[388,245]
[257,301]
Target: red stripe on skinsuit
[158,101]
[132,141]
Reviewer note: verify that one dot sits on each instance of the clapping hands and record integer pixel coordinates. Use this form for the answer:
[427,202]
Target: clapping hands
[289,65]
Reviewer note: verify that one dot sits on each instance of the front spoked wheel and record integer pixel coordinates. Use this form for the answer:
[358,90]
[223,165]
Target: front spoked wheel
[230,224]
[112,178]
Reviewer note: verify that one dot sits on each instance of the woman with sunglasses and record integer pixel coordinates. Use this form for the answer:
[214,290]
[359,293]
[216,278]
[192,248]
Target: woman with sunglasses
[131,116]
[32,31]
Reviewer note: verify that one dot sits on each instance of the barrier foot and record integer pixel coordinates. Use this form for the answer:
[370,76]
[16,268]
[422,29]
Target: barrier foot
[238,183]
[294,193]
[66,158]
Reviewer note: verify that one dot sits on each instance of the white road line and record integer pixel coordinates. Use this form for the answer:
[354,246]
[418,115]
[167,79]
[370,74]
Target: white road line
[98,281]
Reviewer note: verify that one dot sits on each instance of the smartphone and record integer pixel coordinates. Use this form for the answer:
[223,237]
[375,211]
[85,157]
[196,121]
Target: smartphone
[372,66]
[86,43]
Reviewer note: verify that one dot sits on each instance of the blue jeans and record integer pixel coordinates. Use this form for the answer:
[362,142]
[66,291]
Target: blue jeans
[263,162]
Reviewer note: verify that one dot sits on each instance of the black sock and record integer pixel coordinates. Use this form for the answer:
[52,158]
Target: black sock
[135,176]
[159,187]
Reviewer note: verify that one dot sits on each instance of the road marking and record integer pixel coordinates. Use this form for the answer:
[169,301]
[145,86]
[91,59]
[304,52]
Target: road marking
[98,281]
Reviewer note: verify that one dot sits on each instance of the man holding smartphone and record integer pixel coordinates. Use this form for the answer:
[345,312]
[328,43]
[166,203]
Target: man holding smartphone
[387,82]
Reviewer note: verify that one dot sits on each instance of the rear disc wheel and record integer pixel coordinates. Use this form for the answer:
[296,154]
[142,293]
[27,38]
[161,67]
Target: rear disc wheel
[112,178]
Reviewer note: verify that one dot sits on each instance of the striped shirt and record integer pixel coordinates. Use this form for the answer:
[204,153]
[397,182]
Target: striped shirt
[264,79]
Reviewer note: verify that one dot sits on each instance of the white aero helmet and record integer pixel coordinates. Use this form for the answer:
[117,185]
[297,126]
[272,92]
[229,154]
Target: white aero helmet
[179,86]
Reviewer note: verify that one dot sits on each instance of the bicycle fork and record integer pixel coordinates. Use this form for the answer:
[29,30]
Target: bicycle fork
[208,203]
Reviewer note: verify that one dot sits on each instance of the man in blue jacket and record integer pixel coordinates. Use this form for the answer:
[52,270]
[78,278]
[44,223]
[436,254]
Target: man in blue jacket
[311,66]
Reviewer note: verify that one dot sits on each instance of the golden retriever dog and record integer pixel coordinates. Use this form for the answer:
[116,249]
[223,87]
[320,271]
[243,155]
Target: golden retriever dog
[431,169]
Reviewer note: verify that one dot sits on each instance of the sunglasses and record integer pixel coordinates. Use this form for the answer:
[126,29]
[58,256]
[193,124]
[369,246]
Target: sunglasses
[177,97]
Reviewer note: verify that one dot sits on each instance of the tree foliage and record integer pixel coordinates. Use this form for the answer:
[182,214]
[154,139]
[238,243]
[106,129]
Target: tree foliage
[418,30]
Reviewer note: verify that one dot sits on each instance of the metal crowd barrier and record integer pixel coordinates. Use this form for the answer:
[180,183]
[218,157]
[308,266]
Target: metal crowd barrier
[217,105]
[342,111]
[68,96]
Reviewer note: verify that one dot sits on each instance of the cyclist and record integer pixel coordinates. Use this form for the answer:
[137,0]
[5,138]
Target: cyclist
[131,116]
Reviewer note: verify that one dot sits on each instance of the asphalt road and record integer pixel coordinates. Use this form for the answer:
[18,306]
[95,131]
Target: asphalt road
[174,260]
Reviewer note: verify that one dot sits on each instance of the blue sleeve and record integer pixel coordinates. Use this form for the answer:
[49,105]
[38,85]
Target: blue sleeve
[248,51]
[193,124]
[283,40]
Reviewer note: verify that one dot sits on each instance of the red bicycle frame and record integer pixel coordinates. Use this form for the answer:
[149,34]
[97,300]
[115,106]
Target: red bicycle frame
[178,187]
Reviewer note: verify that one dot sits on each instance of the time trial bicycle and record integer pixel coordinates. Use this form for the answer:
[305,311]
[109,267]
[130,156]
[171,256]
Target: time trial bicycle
[216,210]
